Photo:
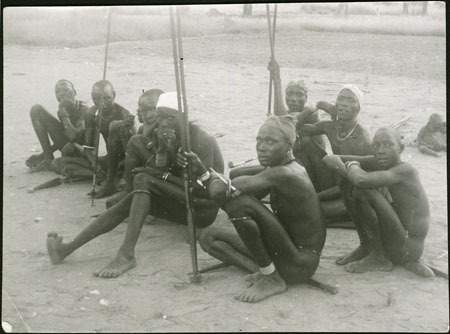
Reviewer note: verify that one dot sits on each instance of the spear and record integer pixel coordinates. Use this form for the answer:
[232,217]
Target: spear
[272,49]
[177,47]
[100,109]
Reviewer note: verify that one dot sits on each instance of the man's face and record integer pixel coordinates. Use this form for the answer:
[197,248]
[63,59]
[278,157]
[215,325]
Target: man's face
[295,99]
[108,97]
[168,119]
[386,149]
[65,93]
[271,146]
[147,109]
[347,105]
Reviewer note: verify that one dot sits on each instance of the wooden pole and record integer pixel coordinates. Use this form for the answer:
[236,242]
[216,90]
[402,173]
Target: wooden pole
[97,139]
[177,46]
[272,49]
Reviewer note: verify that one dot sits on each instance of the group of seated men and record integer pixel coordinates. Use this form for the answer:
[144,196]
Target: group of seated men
[363,178]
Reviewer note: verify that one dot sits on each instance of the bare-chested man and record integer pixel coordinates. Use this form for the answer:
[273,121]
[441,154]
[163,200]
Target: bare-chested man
[64,133]
[158,190]
[346,136]
[432,137]
[392,213]
[278,247]
[117,126]
[296,95]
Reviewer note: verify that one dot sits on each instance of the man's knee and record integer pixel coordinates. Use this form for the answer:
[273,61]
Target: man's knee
[365,194]
[207,238]
[240,205]
[134,143]
[116,128]
[36,111]
[141,181]
[69,150]
[309,145]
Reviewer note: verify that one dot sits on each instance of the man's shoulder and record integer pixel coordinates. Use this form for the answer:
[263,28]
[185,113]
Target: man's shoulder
[121,110]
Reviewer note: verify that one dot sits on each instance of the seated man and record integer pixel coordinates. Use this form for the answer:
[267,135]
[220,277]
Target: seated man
[69,129]
[432,137]
[158,190]
[137,153]
[346,136]
[296,95]
[117,126]
[392,213]
[278,247]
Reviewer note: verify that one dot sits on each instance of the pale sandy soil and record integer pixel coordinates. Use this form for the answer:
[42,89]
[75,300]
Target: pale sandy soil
[227,85]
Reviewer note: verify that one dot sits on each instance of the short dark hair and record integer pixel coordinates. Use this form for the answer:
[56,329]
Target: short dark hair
[396,134]
[59,82]
[102,84]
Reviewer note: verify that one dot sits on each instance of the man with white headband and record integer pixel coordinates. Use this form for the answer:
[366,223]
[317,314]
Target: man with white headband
[278,247]
[346,137]
[158,191]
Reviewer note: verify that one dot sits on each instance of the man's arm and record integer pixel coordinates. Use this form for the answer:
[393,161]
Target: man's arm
[311,129]
[363,179]
[328,108]
[248,170]
[259,183]
[72,131]
[278,105]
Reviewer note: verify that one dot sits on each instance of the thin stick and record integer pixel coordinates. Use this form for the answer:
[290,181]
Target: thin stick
[94,179]
[272,57]
[400,122]
[185,136]
[28,328]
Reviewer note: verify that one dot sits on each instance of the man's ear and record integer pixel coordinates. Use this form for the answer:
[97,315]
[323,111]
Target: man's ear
[74,92]
[402,147]
[114,94]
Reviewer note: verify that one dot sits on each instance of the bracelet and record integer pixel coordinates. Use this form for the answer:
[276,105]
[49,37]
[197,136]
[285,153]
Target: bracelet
[348,164]
[165,176]
[204,177]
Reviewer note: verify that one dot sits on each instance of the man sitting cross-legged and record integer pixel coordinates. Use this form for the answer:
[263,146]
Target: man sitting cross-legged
[392,213]
[278,247]
[64,133]
[158,190]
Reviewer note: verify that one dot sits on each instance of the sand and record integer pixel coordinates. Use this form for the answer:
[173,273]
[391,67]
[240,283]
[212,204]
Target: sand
[227,85]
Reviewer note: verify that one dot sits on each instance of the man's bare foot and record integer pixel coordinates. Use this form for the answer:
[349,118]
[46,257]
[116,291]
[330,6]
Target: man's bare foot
[116,267]
[358,254]
[55,247]
[106,191]
[252,278]
[34,160]
[420,269]
[371,262]
[264,287]
[44,165]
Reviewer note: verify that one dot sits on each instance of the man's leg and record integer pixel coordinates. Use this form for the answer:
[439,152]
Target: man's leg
[269,245]
[226,245]
[117,144]
[364,247]
[107,221]
[311,155]
[382,227]
[46,125]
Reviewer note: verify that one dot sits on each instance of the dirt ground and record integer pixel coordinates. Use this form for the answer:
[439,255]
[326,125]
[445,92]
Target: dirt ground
[227,86]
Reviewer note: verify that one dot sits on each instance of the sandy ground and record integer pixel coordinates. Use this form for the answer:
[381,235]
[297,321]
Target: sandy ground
[227,85]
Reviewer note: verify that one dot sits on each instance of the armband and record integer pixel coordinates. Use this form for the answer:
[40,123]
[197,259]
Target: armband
[204,177]
[348,164]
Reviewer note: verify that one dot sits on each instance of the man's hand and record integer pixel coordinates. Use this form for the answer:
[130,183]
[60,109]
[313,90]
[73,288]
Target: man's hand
[274,68]
[197,166]
[166,139]
[335,163]
[62,112]
[128,121]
